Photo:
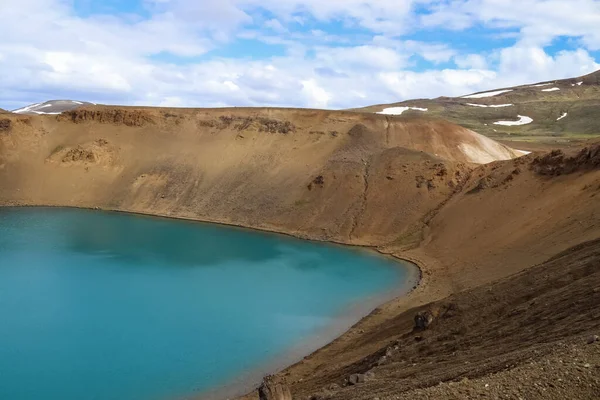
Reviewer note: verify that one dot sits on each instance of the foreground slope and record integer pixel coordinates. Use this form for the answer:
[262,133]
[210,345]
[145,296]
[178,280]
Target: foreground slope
[567,108]
[526,336]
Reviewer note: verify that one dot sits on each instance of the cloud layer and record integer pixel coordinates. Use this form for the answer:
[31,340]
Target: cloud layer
[307,53]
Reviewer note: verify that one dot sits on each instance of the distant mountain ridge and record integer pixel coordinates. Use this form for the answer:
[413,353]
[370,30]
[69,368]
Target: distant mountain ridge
[558,108]
[51,107]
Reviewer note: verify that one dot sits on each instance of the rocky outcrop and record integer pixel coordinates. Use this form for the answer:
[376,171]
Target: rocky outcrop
[259,124]
[558,163]
[423,320]
[98,152]
[79,154]
[5,125]
[108,116]
[274,389]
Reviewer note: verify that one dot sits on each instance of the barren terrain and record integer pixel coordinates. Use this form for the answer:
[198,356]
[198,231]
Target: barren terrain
[412,187]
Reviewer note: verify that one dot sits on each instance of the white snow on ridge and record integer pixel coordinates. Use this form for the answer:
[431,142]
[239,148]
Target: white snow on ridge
[523,152]
[554,89]
[541,84]
[26,109]
[523,120]
[562,116]
[492,106]
[486,94]
[400,110]
[579,83]
[50,107]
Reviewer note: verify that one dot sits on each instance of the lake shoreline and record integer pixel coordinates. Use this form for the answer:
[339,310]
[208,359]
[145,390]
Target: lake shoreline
[355,314]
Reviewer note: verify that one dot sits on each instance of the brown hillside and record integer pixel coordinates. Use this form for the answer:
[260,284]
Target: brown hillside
[321,174]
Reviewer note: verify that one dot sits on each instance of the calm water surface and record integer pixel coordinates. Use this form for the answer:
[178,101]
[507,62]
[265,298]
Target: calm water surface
[112,306]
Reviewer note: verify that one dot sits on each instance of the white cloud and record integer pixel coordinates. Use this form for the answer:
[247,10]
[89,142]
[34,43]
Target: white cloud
[161,59]
[361,56]
[533,64]
[539,21]
[471,61]
[315,94]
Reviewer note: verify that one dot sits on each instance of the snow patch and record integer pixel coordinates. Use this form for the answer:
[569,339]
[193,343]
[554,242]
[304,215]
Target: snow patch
[541,84]
[486,94]
[562,116]
[523,152]
[26,109]
[486,106]
[400,110]
[579,83]
[554,89]
[77,102]
[523,120]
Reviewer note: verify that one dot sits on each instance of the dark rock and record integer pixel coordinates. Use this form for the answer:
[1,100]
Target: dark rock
[355,379]
[274,389]
[593,339]
[5,125]
[423,320]
[558,163]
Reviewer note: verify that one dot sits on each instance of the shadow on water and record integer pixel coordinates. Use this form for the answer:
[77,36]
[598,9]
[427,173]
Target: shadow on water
[140,240]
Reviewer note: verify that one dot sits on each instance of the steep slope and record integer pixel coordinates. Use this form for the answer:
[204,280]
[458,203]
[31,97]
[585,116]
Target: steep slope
[51,107]
[523,336]
[303,170]
[568,108]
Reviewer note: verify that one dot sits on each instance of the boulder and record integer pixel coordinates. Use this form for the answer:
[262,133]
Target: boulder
[355,379]
[423,320]
[274,389]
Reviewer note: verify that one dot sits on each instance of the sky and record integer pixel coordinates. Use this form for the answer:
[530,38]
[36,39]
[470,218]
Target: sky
[300,53]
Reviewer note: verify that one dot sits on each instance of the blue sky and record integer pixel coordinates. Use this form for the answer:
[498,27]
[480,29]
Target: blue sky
[304,53]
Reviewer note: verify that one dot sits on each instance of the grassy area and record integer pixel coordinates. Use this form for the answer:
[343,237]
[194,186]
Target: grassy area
[573,112]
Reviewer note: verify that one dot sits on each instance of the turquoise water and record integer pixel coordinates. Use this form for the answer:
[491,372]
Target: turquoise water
[98,305]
